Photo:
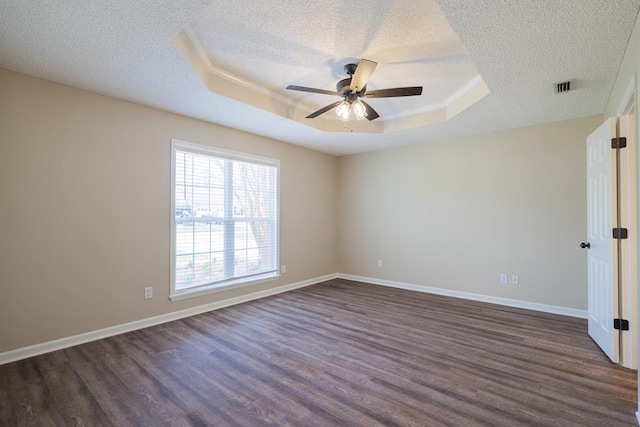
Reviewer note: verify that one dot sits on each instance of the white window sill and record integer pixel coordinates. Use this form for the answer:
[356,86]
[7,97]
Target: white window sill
[218,287]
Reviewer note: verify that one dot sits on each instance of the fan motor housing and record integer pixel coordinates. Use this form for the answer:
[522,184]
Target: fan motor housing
[343,87]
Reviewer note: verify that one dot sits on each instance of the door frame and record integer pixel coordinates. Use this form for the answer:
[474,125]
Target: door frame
[627,126]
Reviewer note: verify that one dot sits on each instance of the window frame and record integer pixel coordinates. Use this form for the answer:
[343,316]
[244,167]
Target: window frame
[231,283]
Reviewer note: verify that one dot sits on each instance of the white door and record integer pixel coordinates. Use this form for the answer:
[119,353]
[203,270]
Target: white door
[602,253]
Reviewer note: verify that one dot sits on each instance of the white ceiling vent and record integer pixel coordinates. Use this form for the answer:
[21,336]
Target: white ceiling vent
[563,86]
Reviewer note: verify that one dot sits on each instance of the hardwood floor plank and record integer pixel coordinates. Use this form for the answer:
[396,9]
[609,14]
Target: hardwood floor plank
[336,353]
[6,405]
[69,396]
[328,386]
[246,356]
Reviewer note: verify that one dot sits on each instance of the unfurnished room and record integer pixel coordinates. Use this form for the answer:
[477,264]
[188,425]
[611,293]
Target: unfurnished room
[339,213]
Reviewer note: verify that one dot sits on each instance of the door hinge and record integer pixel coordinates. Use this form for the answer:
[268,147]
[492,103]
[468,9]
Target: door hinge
[621,324]
[620,142]
[620,233]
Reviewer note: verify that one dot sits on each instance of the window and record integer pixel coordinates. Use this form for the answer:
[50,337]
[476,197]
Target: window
[225,219]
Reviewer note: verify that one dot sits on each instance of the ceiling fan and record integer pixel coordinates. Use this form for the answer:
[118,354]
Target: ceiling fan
[353,89]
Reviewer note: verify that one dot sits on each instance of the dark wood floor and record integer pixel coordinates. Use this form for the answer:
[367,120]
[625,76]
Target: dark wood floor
[339,353]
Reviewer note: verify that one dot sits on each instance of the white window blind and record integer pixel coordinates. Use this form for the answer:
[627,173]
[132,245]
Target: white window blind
[225,219]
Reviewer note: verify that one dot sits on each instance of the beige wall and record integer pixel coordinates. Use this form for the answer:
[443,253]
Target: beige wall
[84,209]
[455,214]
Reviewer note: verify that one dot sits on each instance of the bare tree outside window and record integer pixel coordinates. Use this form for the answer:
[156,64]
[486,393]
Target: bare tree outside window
[251,196]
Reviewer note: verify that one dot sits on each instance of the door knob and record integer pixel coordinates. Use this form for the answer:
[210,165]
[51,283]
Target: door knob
[585,245]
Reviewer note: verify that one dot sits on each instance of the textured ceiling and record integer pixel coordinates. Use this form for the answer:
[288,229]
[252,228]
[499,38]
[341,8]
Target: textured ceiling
[126,50]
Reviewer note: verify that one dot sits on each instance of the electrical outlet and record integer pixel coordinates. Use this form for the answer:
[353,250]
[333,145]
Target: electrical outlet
[283,269]
[379,263]
[504,278]
[148,292]
[515,279]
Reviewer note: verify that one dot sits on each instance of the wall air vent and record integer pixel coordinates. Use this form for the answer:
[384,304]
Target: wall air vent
[563,86]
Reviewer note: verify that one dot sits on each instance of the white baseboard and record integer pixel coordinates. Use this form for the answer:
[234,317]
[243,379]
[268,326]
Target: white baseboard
[638,417]
[46,347]
[566,311]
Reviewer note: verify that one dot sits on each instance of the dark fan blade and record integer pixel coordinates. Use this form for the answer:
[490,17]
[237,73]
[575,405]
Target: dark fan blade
[312,90]
[323,110]
[363,73]
[392,93]
[371,113]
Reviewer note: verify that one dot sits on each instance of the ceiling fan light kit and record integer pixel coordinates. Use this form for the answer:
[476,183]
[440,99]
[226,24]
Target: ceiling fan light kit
[359,110]
[353,89]
[356,110]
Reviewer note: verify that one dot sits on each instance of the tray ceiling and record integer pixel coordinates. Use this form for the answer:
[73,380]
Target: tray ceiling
[267,47]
